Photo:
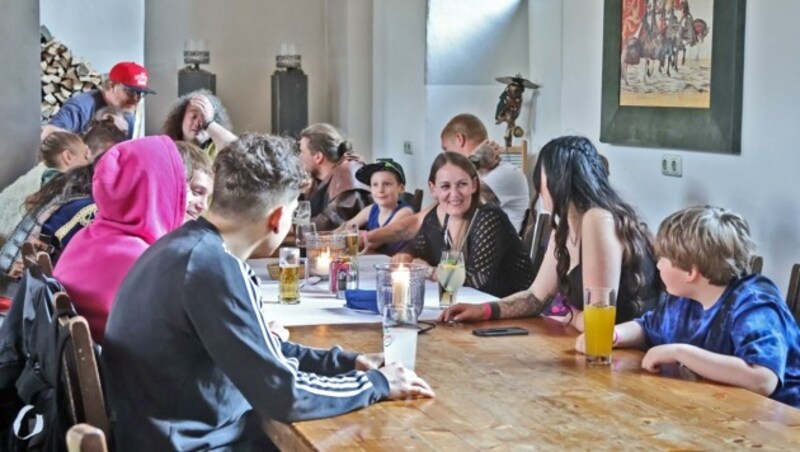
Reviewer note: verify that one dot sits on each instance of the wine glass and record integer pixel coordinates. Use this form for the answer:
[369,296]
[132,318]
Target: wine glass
[303,212]
[451,275]
[301,231]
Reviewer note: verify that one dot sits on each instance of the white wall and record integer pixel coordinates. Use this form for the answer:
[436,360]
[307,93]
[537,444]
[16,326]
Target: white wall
[20,90]
[761,183]
[349,57]
[398,91]
[407,108]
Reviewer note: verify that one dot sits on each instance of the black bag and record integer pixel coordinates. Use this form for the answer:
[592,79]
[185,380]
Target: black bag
[31,345]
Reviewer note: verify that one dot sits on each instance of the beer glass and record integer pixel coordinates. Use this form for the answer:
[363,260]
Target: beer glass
[291,269]
[351,242]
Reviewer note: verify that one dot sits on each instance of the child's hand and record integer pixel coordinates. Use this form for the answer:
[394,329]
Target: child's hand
[580,344]
[660,355]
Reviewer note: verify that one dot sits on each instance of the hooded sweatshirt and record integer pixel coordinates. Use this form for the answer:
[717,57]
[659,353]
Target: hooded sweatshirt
[140,190]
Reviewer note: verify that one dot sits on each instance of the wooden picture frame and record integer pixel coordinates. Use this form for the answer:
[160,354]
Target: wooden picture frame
[716,128]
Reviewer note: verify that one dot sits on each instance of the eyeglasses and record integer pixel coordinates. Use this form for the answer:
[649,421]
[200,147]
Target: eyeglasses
[132,92]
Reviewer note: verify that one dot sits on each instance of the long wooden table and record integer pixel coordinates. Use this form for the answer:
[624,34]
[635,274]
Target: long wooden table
[526,392]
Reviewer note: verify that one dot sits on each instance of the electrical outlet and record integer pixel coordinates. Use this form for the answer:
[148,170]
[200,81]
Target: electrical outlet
[407,148]
[672,165]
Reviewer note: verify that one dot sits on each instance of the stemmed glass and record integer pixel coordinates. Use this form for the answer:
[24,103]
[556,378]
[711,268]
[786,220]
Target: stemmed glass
[302,214]
[451,275]
[301,231]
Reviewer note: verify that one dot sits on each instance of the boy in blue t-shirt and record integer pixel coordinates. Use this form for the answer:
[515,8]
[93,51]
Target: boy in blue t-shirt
[719,321]
[387,181]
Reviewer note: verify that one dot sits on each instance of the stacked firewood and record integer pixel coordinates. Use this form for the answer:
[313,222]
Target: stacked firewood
[63,75]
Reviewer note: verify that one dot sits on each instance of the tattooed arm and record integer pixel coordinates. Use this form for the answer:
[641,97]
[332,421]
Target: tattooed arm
[526,303]
[521,304]
[401,230]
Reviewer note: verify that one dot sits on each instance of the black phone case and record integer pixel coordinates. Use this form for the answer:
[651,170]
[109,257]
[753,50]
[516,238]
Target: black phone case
[500,331]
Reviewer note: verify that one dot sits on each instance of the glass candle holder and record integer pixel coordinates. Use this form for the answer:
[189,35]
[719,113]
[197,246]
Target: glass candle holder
[321,249]
[400,285]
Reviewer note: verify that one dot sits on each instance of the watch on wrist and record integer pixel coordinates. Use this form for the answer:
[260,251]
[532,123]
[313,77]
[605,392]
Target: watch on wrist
[207,123]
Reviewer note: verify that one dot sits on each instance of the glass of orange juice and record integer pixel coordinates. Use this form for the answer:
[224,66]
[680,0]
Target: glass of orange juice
[599,314]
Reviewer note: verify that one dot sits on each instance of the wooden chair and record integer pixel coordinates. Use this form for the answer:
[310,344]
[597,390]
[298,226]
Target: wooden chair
[757,264]
[85,399]
[414,199]
[517,156]
[539,239]
[85,438]
[793,294]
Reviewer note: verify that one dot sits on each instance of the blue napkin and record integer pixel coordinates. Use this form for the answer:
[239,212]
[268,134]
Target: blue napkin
[362,300]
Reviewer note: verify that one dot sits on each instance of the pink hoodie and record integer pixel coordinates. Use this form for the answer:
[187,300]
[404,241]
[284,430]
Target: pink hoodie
[140,190]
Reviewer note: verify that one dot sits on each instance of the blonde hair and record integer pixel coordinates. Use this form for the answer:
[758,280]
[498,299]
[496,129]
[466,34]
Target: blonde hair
[194,159]
[55,143]
[468,125]
[715,240]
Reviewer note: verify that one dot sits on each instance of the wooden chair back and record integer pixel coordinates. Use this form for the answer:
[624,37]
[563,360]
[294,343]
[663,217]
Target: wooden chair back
[793,294]
[85,438]
[517,156]
[83,389]
[757,264]
[414,199]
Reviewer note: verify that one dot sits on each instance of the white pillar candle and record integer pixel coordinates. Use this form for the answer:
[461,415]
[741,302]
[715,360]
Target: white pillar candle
[401,291]
[322,267]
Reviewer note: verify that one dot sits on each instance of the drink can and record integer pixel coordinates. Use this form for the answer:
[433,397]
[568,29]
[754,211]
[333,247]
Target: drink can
[336,265]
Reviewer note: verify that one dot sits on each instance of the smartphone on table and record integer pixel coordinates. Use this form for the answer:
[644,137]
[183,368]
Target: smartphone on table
[500,331]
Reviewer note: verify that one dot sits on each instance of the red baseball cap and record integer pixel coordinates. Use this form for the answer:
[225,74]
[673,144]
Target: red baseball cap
[131,75]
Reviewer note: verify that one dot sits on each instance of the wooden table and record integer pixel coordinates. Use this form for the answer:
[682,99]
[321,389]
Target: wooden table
[534,392]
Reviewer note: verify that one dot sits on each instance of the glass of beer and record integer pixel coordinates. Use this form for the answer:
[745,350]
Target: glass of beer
[351,242]
[599,315]
[291,269]
[451,275]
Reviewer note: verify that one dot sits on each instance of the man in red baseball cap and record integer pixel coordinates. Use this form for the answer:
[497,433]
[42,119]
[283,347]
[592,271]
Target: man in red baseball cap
[124,88]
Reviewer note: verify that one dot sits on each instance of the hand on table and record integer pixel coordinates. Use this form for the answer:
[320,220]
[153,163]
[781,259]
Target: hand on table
[278,330]
[369,361]
[461,312]
[660,355]
[404,383]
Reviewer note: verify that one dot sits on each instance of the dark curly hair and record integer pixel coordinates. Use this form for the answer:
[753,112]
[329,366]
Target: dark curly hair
[576,175]
[172,125]
[255,174]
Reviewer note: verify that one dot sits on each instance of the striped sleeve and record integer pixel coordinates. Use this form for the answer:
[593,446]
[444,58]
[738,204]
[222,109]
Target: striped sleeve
[224,310]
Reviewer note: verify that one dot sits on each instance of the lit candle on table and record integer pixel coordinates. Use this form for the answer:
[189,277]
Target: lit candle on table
[323,263]
[401,291]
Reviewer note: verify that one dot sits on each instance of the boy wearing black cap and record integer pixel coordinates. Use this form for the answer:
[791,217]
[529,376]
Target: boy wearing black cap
[387,181]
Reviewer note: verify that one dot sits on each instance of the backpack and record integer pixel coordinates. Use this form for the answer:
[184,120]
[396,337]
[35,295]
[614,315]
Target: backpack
[33,401]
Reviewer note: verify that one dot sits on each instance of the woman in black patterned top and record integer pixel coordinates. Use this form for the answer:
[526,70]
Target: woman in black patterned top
[494,257]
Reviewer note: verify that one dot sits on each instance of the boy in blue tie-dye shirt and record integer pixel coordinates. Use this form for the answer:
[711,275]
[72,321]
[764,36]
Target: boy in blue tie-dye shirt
[720,321]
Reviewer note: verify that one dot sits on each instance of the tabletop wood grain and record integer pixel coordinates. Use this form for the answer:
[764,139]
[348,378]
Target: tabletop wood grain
[534,392]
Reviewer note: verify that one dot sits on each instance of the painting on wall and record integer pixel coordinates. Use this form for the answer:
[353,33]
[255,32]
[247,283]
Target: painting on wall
[672,73]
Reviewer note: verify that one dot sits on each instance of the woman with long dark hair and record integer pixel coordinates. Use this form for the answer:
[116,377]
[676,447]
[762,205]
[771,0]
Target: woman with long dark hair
[494,258]
[597,241]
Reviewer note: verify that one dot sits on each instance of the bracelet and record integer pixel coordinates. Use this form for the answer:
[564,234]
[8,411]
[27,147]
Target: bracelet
[207,123]
[495,307]
[487,311]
